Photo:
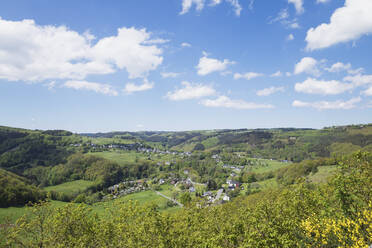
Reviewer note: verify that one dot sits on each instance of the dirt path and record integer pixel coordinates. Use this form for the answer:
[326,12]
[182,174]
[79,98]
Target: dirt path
[167,197]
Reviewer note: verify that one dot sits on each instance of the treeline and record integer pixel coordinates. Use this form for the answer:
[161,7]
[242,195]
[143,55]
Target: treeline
[336,214]
[17,191]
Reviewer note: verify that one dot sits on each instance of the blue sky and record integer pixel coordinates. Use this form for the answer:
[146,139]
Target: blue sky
[90,66]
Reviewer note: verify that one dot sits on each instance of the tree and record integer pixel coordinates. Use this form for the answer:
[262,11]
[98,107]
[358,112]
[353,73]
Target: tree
[185,198]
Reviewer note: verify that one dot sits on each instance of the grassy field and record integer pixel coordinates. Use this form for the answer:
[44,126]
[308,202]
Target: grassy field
[71,187]
[13,213]
[323,173]
[143,198]
[266,165]
[130,157]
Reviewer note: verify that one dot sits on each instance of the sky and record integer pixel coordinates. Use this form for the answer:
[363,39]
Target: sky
[133,65]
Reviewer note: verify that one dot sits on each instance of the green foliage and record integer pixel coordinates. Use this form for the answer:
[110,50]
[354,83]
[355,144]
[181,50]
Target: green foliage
[199,147]
[21,149]
[17,191]
[185,198]
[337,214]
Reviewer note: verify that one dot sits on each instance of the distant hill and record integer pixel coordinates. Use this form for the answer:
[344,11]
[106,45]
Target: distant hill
[294,144]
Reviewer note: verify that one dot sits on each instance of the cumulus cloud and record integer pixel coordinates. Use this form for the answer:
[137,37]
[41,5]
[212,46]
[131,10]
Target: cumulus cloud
[307,65]
[368,92]
[191,91]
[226,102]
[314,86]
[208,65]
[169,74]
[339,66]
[347,23]
[269,91]
[199,5]
[105,89]
[131,87]
[185,44]
[248,75]
[359,79]
[276,74]
[30,52]
[298,4]
[290,37]
[321,105]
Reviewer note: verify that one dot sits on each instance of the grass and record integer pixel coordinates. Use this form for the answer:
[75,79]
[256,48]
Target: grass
[324,172]
[121,157]
[143,198]
[71,187]
[13,213]
[130,157]
[266,165]
[269,183]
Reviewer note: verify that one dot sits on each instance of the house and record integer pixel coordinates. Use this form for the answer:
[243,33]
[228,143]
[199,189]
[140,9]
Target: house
[161,181]
[226,198]
[232,184]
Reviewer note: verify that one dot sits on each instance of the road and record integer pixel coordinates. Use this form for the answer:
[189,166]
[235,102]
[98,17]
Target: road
[219,193]
[167,197]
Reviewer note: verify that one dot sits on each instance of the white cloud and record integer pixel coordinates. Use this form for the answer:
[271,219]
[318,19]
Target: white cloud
[368,92]
[307,65]
[169,74]
[283,18]
[282,15]
[294,25]
[355,71]
[359,80]
[248,75]
[314,86]
[187,5]
[215,2]
[105,89]
[208,65]
[328,105]
[298,4]
[131,87]
[155,41]
[290,37]
[269,91]
[276,74]
[51,85]
[185,44]
[339,66]
[322,1]
[238,8]
[191,91]
[288,74]
[226,102]
[30,52]
[346,24]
